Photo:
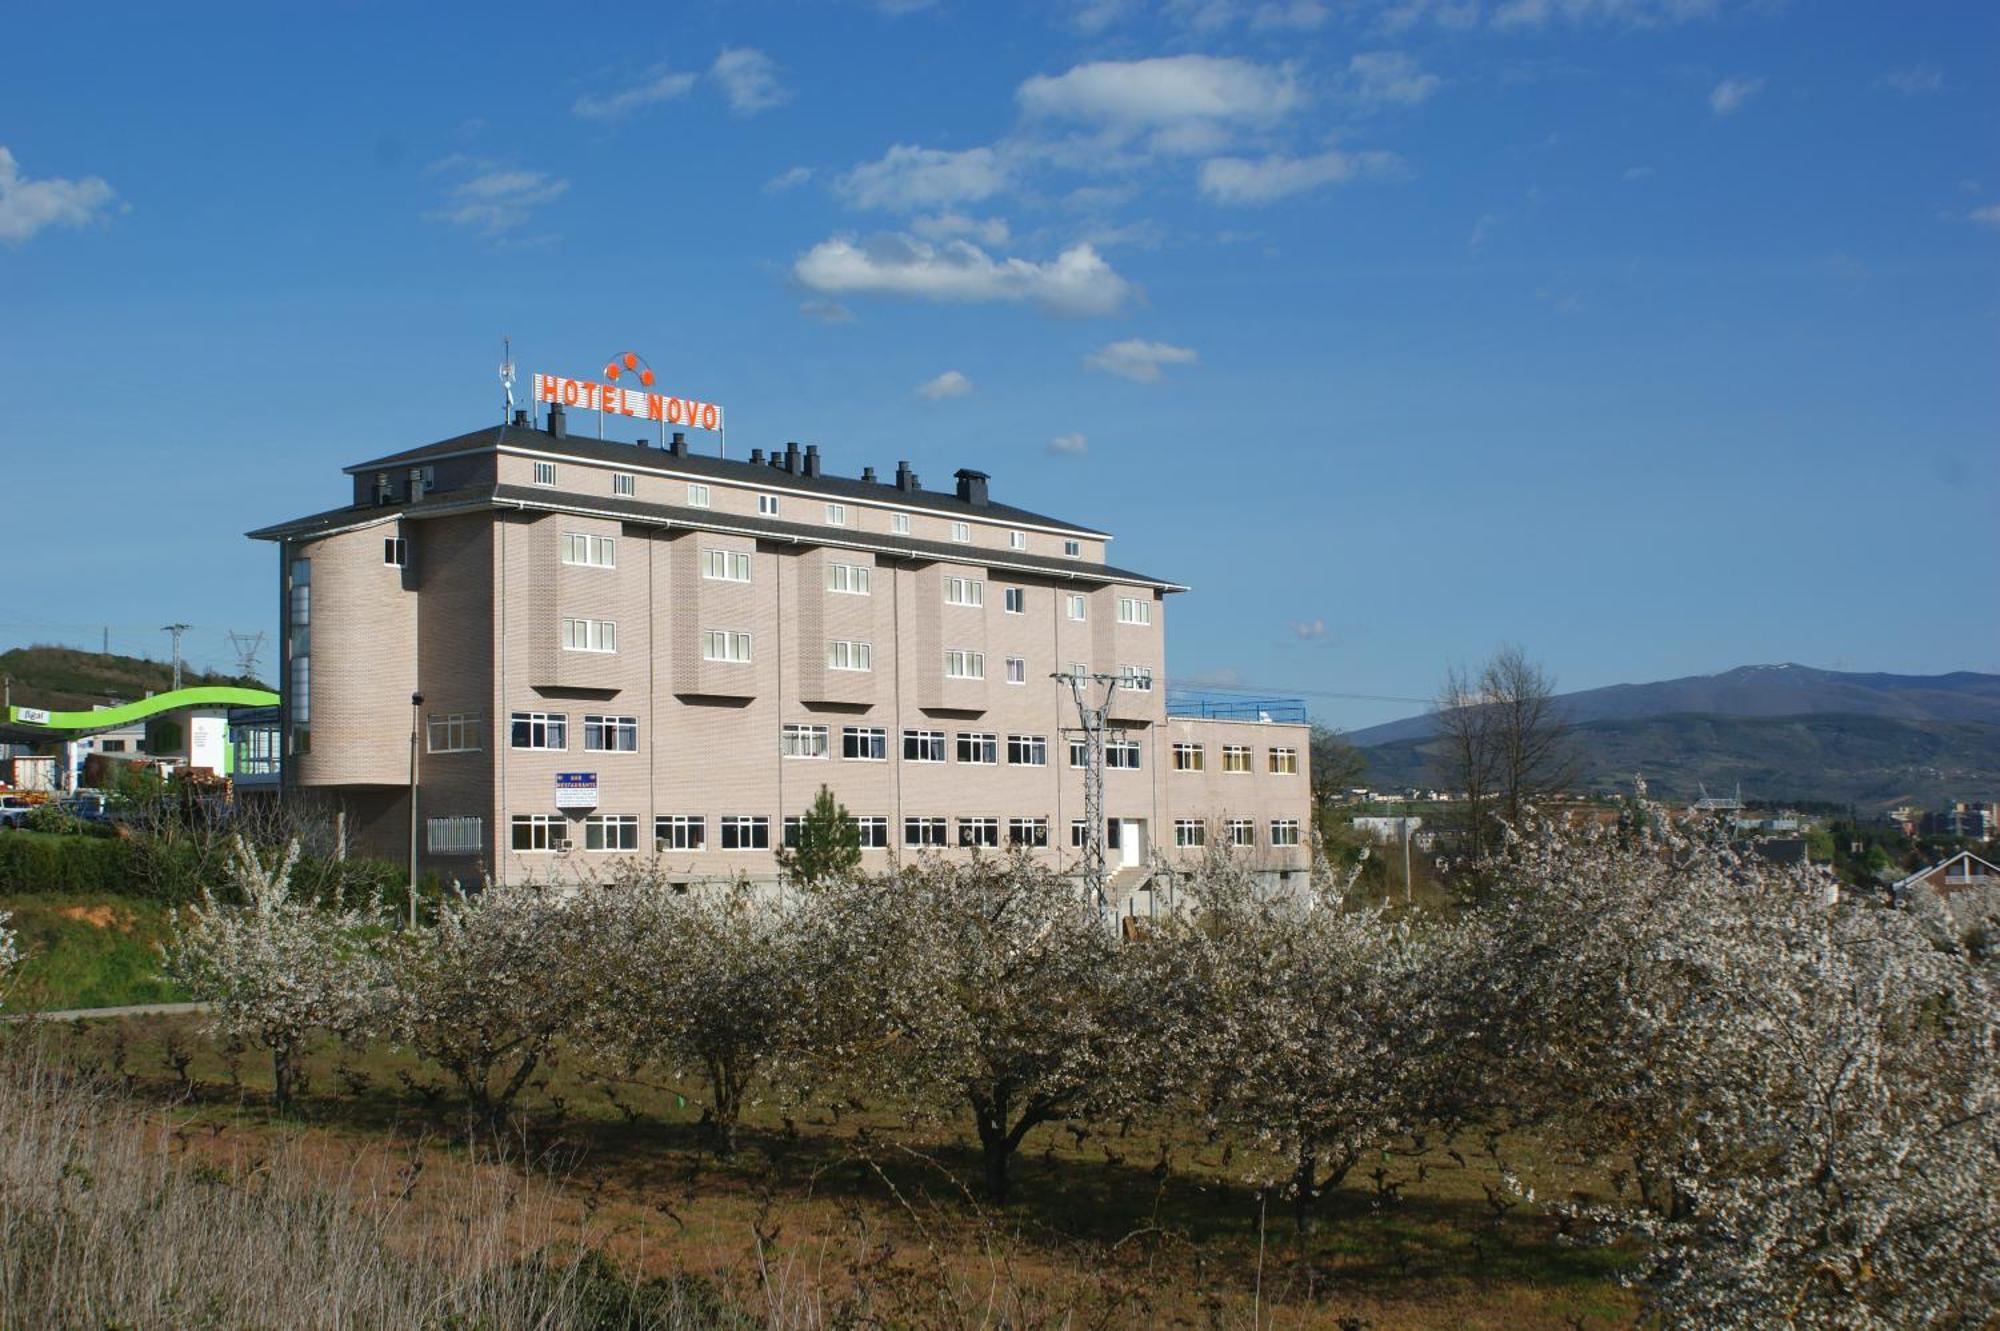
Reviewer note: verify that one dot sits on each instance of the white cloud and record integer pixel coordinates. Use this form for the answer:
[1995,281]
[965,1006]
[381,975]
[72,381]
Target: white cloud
[1241,180]
[498,199]
[785,180]
[749,80]
[1139,360]
[896,8]
[1988,216]
[1915,80]
[827,311]
[1482,228]
[1631,13]
[908,177]
[949,384]
[27,206]
[1293,16]
[1638,173]
[1076,282]
[1308,630]
[661,85]
[943,226]
[1069,445]
[1728,96]
[1388,78]
[1164,92]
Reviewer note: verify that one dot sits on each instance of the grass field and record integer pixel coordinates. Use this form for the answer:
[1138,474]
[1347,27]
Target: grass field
[87,951]
[842,1202]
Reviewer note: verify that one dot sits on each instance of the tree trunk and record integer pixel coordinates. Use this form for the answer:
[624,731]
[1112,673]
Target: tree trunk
[281,1077]
[996,1146]
[1304,1186]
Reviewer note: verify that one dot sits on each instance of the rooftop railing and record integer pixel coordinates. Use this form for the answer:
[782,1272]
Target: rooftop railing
[1234,707]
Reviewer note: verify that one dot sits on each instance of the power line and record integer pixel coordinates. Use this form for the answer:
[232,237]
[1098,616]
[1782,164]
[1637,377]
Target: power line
[1202,686]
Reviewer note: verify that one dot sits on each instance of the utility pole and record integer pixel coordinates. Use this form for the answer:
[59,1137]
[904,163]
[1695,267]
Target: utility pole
[176,630]
[416,712]
[247,646]
[1093,722]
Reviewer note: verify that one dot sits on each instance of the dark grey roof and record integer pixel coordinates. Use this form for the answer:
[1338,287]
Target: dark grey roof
[632,510]
[737,471]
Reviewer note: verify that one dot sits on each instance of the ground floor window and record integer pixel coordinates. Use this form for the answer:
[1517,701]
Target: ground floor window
[979,831]
[746,832]
[452,836]
[1030,832]
[611,831]
[874,832]
[540,831]
[1190,832]
[1242,832]
[681,831]
[1284,831]
[923,832]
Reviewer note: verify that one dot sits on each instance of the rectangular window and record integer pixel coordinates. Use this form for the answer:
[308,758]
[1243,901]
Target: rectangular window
[1028,750]
[1076,606]
[725,645]
[622,483]
[680,831]
[453,836]
[1072,548]
[868,744]
[1030,832]
[395,552]
[590,551]
[545,473]
[1242,832]
[1015,600]
[850,579]
[697,495]
[745,832]
[1284,762]
[844,655]
[1121,753]
[455,732]
[1079,831]
[768,505]
[1017,670]
[923,832]
[1132,610]
[1284,831]
[961,532]
[803,741]
[979,831]
[874,831]
[1139,679]
[1076,753]
[610,734]
[961,664]
[964,591]
[978,748]
[1190,758]
[590,635]
[1236,758]
[725,565]
[1017,540]
[540,831]
[899,523]
[1191,833]
[540,730]
[923,746]
[790,831]
[611,831]
[836,514]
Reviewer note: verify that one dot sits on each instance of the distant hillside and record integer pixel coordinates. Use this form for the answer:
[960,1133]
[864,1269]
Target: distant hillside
[62,678]
[1765,691]
[1874,762]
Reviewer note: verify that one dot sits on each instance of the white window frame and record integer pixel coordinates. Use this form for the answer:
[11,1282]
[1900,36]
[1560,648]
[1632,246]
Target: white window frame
[624,483]
[767,505]
[1284,762]
[456,835]
[1284,832]
[1079,831]
[803,739]
[600,726]
[964,663]
[851,655]
[964,591]
[1017,540]
[1072,549]
[980,831]
[750,831]
[1076,606]
[596,636]
[726,646]
[686,832]
[698,496]
[583,550]
[545,474]
[551,724]
[545,831]
[1133,610]
[615,833]
[984,746]
[922,832]
[1028,750]
[1236,760]
[1030,832]
[899,523]
[1123,754]
[1017,670]
[396,551]
[1136,678]
[454,732]
[1014,600]
[1189,757]
[1242,831]
[723,565]
[836,515]
[1190,833]
[850,579]
[961,532]
[872,829]
[864,744]
[924,743]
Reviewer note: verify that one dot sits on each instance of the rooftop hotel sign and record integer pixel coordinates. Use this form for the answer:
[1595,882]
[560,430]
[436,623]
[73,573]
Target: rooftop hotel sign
[641,403]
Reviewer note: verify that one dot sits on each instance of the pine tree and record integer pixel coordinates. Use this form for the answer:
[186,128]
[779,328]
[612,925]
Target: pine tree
[829,844]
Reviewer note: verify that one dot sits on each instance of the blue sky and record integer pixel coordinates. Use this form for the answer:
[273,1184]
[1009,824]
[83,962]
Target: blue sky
[1657,336]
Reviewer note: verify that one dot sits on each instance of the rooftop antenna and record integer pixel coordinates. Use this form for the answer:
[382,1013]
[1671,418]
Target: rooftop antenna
[507,377]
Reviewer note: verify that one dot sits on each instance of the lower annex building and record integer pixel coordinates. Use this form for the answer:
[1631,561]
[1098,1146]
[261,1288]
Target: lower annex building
[631,650]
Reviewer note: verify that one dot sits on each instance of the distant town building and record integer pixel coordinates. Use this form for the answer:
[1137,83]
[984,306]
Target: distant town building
[1969,819]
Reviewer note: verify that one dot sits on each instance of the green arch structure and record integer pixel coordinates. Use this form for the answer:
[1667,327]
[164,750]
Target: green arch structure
[113,717]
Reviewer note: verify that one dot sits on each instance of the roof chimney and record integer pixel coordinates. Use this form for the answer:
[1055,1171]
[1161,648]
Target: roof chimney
[972,486]
[906,480]
[678,445]
[558,421]
[756,457]
[520,416]
[868,476]
[812,459]
[792,457]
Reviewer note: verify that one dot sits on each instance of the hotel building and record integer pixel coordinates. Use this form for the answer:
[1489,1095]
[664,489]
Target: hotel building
[633,650]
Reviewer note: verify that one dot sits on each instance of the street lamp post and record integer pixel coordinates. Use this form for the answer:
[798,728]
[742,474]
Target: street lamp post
[416,705]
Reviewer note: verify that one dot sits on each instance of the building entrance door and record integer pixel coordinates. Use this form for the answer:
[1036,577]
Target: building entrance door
[1130,834]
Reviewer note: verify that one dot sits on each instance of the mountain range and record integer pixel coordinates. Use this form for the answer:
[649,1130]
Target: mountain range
[1783,732]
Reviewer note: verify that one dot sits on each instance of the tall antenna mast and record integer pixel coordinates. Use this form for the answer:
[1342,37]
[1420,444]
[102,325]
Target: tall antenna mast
[176,630]
[1093,722]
